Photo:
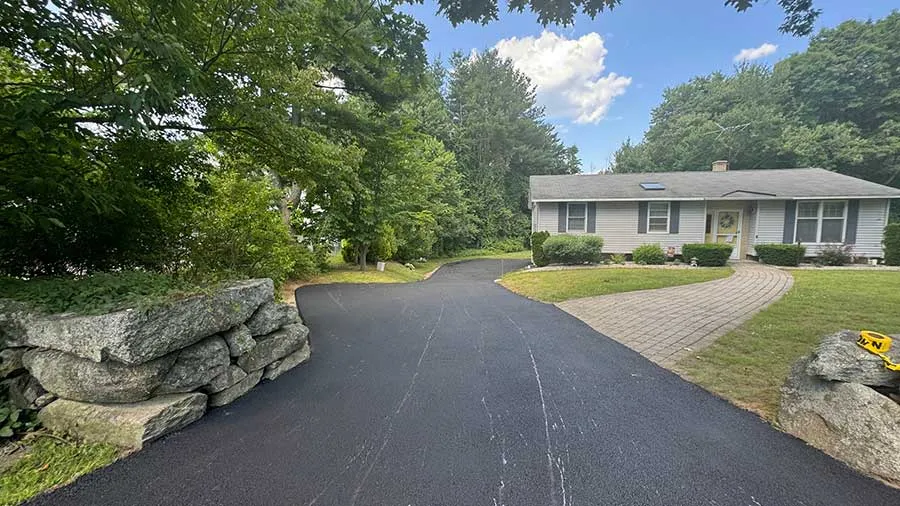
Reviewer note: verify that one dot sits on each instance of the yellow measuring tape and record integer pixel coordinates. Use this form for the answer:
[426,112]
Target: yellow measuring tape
[878,344]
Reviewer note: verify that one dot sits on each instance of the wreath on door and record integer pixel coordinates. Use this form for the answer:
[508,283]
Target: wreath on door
[726,221]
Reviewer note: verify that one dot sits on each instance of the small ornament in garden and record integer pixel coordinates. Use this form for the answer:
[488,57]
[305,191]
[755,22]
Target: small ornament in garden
[694,262]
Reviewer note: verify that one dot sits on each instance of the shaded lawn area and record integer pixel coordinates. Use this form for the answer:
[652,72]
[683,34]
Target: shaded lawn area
[49,463]
[749,364]
[557,286]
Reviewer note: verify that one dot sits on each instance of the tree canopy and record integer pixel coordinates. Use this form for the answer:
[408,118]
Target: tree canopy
[799,15]
[835,105]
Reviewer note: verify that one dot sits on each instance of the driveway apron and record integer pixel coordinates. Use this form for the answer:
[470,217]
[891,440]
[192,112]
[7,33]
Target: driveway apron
[455,391]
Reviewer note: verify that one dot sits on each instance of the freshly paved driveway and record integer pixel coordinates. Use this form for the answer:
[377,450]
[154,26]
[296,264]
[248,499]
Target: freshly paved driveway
[667,324]
[457,392]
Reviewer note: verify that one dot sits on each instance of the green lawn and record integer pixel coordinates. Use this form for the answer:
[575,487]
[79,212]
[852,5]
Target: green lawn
[749,364]
[50,463]
[557,286]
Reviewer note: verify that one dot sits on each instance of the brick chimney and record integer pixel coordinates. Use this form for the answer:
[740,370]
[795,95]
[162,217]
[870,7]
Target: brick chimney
[720,166]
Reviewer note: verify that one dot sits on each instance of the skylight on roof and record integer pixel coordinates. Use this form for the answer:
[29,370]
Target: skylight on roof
[653,186]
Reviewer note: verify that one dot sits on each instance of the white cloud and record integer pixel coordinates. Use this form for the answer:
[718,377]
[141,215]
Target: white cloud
[755,53]
[568,73]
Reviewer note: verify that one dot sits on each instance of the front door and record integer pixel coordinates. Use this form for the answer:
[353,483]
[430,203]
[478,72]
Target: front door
[728,230]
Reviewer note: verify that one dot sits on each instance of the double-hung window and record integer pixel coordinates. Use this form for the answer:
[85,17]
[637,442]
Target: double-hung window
[821,221]
[577,217]
[658,217]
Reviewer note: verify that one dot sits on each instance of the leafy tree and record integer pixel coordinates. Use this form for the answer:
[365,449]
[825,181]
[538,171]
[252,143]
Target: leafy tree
[799,14]
[500,139]
[834,106]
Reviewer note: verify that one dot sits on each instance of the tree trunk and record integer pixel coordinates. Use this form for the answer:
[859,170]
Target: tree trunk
[363,251]
[288,203]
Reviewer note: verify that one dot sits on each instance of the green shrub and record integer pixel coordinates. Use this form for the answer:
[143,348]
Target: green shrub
[415,235]
[239,232]
[892,243]
[508,245]
[781,254]
[537,248]
[573,249]
[835,254]
[618,259]
[649,254]
[708,254]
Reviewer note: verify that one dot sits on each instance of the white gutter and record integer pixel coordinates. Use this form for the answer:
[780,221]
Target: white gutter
[701,199]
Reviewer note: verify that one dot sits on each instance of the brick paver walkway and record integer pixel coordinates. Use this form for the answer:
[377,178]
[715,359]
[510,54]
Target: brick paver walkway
[666,324]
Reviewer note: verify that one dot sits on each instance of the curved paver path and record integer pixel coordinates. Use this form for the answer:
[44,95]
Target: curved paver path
[667,324]
[457,392]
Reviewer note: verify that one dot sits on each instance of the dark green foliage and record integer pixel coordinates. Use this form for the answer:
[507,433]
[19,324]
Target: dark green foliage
[509,245]
[15,421]
[537,248]
[97,293]
[415,235]
[707,254]
[781,254]
[832,106]
[648,254]
[573,249]
[892,244]
[240,234]
[799,15]
[835,255]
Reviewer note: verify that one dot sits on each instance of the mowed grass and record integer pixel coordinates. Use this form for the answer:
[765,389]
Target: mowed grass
[49,463]
[557,286]
[749,365]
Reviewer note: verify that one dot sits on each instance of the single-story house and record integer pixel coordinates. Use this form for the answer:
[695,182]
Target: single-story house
[815,207]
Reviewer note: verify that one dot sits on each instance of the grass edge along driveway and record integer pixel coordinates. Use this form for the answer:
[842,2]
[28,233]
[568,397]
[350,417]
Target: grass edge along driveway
[566,284]
[748,365]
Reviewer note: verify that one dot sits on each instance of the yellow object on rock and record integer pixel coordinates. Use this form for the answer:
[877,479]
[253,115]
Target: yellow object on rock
[878,344]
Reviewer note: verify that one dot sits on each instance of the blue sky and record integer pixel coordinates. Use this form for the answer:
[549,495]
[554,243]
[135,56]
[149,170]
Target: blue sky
[600,78]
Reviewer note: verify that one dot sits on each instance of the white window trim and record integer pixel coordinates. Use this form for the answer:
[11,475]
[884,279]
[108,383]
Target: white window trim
[583,204]
[668,218]
[819,218]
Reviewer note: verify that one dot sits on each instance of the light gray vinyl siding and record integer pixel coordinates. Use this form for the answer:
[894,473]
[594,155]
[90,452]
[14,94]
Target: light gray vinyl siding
[547,219]
[617,224]
[769,223]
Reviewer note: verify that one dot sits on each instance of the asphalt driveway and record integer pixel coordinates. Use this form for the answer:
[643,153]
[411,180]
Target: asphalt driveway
[455,391]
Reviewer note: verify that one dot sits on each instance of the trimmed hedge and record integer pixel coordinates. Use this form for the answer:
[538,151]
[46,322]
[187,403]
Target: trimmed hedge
[649,254]
[537,248]
[707,254]
[573,249]
[892,244]
[781,254]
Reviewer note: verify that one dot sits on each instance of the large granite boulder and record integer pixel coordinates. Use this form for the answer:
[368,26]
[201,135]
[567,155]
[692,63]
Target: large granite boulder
[240,388]
[227,379]
[849,421]
[196,366]
[271,316]
[135,336]
[126,425]
[11,361]
[80,379]
[271,347]
[839,358]
[239,340]
[281,366]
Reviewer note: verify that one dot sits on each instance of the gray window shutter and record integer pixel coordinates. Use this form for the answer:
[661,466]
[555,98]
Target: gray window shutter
[642,217]
[852,221]
[563,214]
[591,217]
[790,217]
[674,216]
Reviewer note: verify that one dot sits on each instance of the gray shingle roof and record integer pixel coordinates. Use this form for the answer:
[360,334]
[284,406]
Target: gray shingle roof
[707,185]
